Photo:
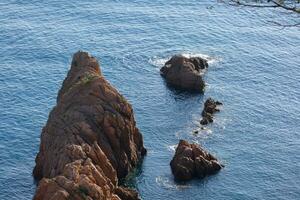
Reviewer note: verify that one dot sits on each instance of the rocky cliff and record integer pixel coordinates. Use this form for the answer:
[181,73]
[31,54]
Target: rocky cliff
[90,140]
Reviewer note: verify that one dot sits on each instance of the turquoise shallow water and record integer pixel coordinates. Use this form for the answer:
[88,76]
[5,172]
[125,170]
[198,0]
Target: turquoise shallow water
[254,70]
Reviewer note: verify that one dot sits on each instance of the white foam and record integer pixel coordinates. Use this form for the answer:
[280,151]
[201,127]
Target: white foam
[172,147]
[166,182]
[204,131]
[209,59]
[159,61]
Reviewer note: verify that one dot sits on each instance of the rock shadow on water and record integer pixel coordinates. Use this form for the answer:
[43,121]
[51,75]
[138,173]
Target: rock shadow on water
[179,91]
[180,94]
[130,180]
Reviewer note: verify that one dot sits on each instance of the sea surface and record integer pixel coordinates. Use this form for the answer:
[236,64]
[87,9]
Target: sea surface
[254,70]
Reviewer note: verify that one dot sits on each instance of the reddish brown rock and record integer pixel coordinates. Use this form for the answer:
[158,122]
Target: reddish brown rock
[210,107]
[126,193]
[185,73]
[90,139]
[190,161]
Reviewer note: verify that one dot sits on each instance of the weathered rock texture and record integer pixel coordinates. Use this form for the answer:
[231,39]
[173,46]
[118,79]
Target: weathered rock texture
[191,161]
[90,140]
[210,107]
[185,73]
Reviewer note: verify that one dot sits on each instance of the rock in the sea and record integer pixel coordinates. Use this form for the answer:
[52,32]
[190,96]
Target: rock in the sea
[90,139]
[210,107]
[190,161]
[185,73]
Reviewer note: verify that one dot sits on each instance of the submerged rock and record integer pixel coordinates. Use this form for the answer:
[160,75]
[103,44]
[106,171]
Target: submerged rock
[90,139]
[190,161]
[210,107]
[185,73]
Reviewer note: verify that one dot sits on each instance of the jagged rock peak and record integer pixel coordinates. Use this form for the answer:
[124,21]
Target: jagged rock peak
[90,139]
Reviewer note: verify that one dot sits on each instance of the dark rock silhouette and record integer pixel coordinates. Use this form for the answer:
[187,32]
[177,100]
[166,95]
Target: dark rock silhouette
[210,107]
[190,161]
[185,73]
[126,193]
[90,139]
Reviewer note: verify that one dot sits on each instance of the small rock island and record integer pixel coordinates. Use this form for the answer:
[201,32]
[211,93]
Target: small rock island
[210,107]
[191,161]
[90,140]
[185,73]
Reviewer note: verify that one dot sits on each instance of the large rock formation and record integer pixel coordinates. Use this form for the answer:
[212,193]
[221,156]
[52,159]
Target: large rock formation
[90,140]
[185,73]
[190,160]
[210,107]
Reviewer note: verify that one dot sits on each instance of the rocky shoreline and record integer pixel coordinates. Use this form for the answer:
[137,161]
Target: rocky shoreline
[90,140]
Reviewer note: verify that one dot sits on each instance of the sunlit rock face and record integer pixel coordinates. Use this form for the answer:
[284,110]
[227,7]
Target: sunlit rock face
[90,139]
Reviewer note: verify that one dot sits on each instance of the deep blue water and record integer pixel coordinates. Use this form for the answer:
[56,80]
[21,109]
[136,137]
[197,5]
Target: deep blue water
[254,71]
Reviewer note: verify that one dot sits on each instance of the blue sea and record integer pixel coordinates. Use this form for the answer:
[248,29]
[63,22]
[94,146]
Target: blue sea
[254,70]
